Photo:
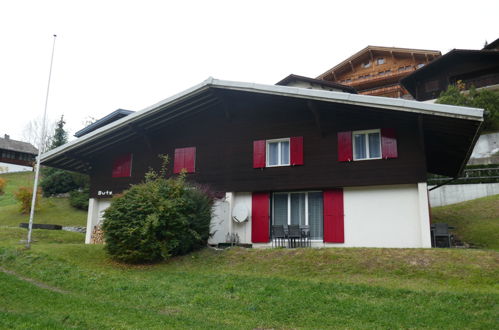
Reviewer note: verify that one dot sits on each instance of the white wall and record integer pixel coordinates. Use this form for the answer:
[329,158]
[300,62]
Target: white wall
[486,146]
[456,193]
[243,229]
[10,168]
[386,216]
[220,222]
[96,208]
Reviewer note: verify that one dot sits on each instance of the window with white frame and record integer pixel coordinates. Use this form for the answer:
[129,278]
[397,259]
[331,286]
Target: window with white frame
[366,144]
[380,60]
[299,208]
[278,152]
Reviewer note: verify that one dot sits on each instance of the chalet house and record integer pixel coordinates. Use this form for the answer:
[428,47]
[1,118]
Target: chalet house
[479,68]
[378,70]
[17,152]
[350,167]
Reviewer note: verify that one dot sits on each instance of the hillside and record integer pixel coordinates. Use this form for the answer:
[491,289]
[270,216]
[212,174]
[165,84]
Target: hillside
[52,210]
[476,221]
[72,285]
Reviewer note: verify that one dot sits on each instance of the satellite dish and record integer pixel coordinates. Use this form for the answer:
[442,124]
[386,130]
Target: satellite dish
[240,213]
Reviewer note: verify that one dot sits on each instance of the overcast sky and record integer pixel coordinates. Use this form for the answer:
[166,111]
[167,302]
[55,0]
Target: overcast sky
[131,54]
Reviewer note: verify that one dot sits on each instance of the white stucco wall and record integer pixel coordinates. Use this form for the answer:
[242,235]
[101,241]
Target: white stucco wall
[376,216]
[457,193]
[243,229]
[386,216]
[96,208]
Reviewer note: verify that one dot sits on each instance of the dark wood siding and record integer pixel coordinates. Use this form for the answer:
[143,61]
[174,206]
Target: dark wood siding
[224,135]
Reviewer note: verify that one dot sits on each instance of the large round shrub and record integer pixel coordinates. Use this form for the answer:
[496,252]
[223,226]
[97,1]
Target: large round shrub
[157,219]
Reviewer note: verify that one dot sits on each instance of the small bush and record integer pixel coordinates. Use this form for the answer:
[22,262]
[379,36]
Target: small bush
[2,186]
[79,199]
[24,196]
[157,219]
[57,182]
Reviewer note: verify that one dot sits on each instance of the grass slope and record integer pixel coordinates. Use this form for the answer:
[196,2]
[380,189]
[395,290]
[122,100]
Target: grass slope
[14,181]
[242,289]
[476,221]
[52,210]
[61,283]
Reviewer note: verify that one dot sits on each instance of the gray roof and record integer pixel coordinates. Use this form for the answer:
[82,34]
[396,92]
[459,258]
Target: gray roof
[7,143]
[113,116]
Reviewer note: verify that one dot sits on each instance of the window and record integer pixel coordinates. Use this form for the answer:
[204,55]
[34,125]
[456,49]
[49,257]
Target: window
[299,208]
[278,152]
[366,64]
[122,166]
[380,61]
[420,65]
[366,144]
[185,159]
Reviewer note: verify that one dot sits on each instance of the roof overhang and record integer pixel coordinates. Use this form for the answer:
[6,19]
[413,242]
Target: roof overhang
[75,155]
[447,63]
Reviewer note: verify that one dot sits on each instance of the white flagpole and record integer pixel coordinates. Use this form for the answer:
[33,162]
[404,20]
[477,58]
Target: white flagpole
[40,146]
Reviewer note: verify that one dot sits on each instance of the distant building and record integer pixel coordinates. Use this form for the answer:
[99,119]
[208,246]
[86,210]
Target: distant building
[294,80]
[378,70]
[16,155]
[479,68]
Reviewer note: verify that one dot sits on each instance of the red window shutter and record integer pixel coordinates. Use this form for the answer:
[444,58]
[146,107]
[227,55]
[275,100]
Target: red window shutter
[260,203]
[388,143]
[345,153]
[185,159]
[122,166]
[178,160]
[296,150]
[259,154]
[334,229]
[190,159]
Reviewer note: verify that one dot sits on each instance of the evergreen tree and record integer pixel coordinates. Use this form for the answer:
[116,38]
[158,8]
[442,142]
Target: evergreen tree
[56,181]
[60,136]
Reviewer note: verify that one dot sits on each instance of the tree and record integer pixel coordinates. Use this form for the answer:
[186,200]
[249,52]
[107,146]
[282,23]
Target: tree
[60,136]
[483,98]
[56,181]
[33,130]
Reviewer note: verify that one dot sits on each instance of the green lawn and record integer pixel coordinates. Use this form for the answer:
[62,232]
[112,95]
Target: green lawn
[52,210]
[476,221]
[14,181]
[61,283]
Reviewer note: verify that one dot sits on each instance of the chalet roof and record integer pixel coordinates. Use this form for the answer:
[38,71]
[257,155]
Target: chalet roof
[113,116]
[7,143]
[447,62]
[460,125]
[293,77]
[379,49]
[493,45]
